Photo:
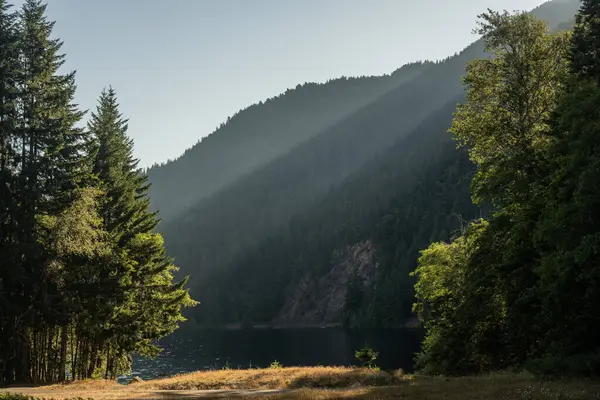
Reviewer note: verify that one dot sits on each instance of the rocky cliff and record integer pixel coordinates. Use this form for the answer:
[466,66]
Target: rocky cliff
[321,300]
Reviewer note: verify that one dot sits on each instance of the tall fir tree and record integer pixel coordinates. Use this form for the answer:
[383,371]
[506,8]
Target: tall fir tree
[10,271]
[44,153]
[152,301]
[586,40]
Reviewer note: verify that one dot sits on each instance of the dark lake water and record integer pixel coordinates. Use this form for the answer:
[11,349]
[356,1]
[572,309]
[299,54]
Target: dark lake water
[187,351]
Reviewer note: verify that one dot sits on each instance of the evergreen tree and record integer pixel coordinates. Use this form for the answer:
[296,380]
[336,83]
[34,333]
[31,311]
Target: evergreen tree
[568,234]
[82,261]
[85,281]
[151,302]
[45,161]
[586,40]
[10,270]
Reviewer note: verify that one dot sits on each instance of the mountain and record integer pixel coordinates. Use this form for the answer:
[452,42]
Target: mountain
[260,133]
[327,227]
[386,211]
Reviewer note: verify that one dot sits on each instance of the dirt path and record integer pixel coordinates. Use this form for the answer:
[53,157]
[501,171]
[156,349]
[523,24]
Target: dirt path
[132,393]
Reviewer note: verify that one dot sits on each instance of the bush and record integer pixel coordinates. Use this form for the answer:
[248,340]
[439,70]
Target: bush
[366,356]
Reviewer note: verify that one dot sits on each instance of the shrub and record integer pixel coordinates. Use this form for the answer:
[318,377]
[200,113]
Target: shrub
[366,356]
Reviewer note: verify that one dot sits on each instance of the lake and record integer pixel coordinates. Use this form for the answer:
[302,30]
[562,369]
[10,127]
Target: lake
[193,350]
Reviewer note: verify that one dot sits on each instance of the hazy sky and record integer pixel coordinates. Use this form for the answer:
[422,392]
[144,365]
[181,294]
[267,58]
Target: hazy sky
[181,67]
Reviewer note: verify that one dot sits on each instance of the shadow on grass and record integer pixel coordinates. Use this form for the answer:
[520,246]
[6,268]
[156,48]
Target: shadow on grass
[215,394]
[353,378]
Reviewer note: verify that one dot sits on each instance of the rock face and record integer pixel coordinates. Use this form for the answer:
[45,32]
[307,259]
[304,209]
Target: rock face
[320,300]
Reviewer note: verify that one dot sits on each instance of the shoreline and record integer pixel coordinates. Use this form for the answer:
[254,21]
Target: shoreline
[409,324]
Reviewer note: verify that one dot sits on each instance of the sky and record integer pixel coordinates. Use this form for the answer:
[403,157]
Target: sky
[181,67]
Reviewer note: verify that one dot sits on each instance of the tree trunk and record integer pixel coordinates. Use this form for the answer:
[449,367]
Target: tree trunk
[22,373]
[107,362]
[36,358]
[50,364]
[62,364]
[92,360]
[74,368]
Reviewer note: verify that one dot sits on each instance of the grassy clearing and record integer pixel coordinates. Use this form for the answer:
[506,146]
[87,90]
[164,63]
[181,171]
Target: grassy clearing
[495,387]
[322,383]
[276,378]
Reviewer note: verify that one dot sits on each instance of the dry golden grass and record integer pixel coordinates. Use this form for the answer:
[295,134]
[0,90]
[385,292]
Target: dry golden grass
[226,380]
[279,378]
[323,383]
[493,387]
[84,385]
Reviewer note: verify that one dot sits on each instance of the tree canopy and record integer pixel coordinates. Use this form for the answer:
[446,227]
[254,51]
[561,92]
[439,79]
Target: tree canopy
[524,292]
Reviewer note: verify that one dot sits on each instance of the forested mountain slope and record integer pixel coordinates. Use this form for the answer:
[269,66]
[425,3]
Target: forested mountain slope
[386,178]
[256,135]
[413,191]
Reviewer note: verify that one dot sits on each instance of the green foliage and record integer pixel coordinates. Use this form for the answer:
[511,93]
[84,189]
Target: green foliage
[366,356]
[276,365]
[526,295]
[85,280]
[567,235]
[509,99]
[442,303]
[586,39]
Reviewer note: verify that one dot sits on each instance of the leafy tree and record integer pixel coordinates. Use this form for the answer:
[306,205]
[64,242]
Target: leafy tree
[504,126]
[510,97]
[442,302]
